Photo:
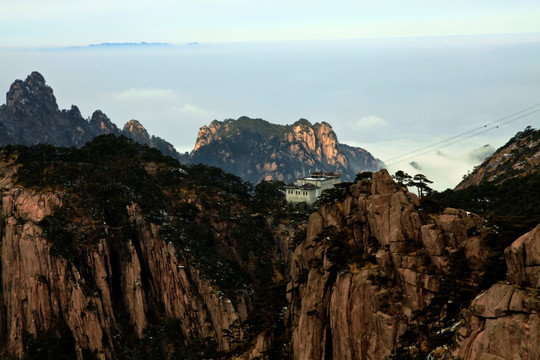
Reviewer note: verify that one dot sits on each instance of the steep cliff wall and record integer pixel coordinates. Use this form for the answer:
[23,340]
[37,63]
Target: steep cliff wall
[38,288]
[172,281]
[108,290]
[253,149]
[372,262]
[256,150]
[121,253]
[517,158]
[31,116]
[503,322]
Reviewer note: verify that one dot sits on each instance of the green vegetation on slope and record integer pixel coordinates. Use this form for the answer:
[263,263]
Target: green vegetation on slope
[256,126]
[511,208]
[516,198]
[221,224]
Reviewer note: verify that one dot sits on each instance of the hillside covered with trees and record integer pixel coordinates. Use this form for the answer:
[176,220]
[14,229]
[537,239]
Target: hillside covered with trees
[115,251]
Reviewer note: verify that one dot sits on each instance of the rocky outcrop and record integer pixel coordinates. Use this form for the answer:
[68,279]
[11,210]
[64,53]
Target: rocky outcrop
[100,121]
[175,283]
[31,97]
[88,287]
[135,131]
[256,150]
[38,288]
[518,157]
[374,264]
[31,116]
[250,148]
[371,260]
[504,321]
[360,159]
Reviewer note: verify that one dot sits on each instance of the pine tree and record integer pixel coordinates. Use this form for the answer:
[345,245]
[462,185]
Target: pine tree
[421,182]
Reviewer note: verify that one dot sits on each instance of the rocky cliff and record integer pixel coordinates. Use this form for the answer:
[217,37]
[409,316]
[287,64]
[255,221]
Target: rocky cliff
[256,150]
[38,289]
[31,116]
[380,277]
[251,148]
[135,131]
[114,251]
[519,157]
[504,321]
[125,257]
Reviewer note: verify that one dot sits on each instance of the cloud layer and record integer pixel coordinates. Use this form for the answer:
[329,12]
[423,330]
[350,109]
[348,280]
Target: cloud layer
[388,96]
[161,111]
[371,122]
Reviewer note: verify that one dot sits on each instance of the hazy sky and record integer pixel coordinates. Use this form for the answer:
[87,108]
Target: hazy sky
[389,76]
[68,22]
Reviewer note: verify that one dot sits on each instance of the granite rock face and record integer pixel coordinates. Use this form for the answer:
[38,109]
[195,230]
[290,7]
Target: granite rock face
[250,148]
[504,321]
[256,150]
[373,260]
[370,261]
[135,131]
[520,156]
[31,116]
[523,260]
[40,286]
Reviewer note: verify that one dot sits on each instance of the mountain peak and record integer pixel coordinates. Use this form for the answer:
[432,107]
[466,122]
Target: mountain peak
[137,132]
[35,78]
[302,122]
[31,116]
[134,126]
[100,121]
[256,150]
[31,97]
[520,156]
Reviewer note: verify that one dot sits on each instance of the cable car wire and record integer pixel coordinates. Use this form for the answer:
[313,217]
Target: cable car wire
[474,132]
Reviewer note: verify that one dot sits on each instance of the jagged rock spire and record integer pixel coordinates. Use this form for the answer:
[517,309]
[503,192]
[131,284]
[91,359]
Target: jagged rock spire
[31,97]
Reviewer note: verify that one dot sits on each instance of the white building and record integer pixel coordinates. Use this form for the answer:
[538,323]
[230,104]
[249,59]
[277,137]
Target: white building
[309,188]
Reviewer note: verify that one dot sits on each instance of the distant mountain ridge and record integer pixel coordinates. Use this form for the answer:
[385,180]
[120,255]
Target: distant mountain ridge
[31,116]
[520,156]
[142,43]
[114,251]
[253,149]
[256,150]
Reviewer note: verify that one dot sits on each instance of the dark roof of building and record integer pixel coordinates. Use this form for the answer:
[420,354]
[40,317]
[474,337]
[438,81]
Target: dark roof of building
[321,175]
[302,187]
[324,174]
